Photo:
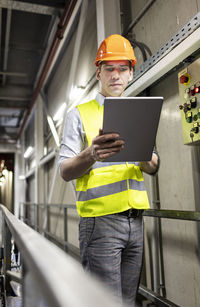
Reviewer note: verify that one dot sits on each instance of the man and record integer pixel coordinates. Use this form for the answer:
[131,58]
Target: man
[110,196]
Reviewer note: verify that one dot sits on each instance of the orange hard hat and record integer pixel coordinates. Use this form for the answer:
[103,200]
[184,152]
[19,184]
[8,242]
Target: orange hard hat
[115,47]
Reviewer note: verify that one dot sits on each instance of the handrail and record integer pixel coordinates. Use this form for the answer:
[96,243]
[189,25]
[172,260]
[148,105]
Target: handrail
[162,213]
[155,298]
[173,214]
[50,205]
[60,278]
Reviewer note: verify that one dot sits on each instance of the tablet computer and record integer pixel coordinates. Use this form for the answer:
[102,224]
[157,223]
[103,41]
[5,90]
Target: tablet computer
[136,120]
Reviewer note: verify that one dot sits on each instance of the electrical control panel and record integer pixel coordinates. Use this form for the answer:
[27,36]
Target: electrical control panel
[189,92]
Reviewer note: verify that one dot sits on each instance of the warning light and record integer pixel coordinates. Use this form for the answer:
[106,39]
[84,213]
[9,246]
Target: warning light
[197,89]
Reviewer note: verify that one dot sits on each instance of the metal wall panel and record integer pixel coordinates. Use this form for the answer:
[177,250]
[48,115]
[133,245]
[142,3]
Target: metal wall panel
[180,238]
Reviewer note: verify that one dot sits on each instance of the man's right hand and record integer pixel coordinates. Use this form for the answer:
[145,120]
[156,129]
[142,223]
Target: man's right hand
[105,146]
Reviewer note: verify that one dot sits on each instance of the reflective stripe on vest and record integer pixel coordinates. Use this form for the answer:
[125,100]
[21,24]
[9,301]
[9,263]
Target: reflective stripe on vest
[110,189]
[107,187]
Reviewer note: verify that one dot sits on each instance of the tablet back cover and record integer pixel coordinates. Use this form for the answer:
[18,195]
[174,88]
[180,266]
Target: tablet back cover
[136,120]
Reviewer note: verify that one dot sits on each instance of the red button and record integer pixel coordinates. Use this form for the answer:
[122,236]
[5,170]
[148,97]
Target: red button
[183,79]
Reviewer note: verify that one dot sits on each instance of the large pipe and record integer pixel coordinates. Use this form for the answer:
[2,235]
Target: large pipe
[55,44]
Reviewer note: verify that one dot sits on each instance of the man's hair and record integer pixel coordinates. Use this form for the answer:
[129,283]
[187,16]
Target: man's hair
[103,62]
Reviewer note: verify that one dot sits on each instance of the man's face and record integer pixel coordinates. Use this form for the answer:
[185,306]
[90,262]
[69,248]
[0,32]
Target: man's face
[114,77]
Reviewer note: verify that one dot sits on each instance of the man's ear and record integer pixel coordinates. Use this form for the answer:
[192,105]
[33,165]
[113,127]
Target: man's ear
[131,75]
[98,73]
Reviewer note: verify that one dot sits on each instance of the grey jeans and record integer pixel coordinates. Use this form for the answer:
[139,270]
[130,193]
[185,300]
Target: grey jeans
[111,247]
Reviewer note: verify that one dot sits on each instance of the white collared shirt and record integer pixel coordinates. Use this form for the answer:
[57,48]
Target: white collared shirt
[74,138]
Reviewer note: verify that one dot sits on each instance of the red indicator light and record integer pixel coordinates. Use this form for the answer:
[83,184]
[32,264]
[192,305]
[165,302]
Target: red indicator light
[197,89]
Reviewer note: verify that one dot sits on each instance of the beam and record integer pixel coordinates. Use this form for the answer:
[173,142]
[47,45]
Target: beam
[76,51]
[14,74]
[16,90]
[29,7]
[53,25]
[14,128]
[100,21]
[8,148]
[9,115]
[45,159]
[39,151]
[15,276]
[9,98]
[13,108]
[108,18]
[7,40]
[0,29]
[8,141]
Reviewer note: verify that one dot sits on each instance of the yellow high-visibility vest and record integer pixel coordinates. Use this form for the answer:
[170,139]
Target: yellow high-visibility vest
[107,187]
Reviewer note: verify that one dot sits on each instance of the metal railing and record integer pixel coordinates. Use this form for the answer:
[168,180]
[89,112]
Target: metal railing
[49,277]
[173,214]
[34,223]
[155,298]
[168,214]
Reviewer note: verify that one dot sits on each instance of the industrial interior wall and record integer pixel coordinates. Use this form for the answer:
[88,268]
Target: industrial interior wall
[64,192]
[179,176]
[56,94]
[181,249]
[180,239]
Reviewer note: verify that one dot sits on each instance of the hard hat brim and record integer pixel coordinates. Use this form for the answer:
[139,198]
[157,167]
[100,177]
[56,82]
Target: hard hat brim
[114,58]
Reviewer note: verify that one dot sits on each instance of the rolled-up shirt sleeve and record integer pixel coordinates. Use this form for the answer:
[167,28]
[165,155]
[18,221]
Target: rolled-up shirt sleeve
[73,140]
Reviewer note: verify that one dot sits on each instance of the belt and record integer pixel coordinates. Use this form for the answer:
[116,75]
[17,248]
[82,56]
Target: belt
[131,213]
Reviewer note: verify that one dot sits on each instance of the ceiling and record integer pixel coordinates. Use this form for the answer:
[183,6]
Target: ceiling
[25,31]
